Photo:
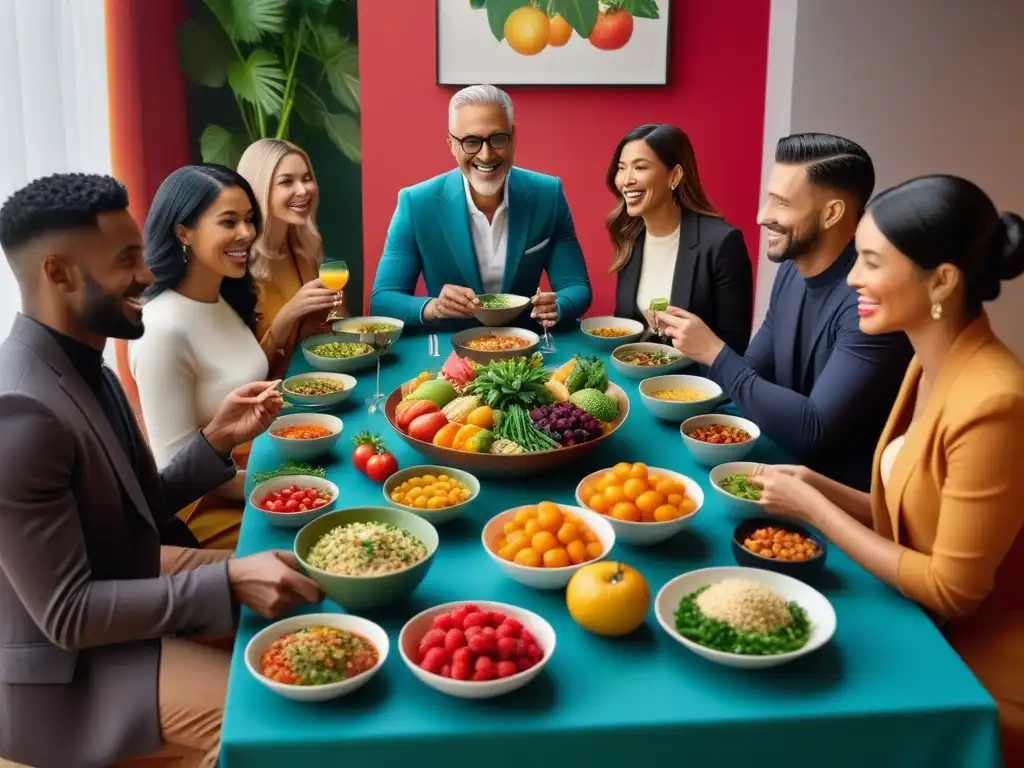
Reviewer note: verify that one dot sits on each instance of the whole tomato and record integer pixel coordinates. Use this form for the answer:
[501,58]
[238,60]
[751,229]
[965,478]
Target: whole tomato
[381,466]
[367,446]
[612,30]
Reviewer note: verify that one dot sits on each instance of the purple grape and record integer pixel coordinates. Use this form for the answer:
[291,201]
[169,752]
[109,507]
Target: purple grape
[579,436]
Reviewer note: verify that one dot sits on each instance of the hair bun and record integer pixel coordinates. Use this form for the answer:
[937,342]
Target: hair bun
[1011,256]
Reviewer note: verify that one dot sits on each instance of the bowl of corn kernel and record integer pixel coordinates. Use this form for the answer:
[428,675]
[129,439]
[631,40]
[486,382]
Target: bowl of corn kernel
[607,332]
[437,494]
[678,397]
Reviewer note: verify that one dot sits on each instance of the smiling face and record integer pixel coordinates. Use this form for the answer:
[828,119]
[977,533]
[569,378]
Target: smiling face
[293,191]
[487,169]
[223,234]
[643,180]
[893,294]
[791,214]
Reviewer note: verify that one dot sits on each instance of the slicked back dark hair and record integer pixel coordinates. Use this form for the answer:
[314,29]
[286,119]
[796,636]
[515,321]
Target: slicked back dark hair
[62,202]
[832,162]
[182,198]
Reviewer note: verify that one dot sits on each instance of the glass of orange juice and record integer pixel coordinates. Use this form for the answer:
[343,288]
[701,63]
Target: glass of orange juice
[334,274]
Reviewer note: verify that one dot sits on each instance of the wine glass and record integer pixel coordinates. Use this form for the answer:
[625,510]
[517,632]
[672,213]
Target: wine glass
[334,274]
[380,343]
[548,347]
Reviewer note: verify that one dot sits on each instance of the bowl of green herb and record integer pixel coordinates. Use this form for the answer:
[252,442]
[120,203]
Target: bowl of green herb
[747,618]
[498,309]
[731,482]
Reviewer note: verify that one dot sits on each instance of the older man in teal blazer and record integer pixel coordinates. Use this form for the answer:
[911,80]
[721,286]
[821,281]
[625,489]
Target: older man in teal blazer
[485,227]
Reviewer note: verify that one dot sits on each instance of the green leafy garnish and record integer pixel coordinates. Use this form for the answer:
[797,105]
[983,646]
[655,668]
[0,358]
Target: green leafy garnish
[502,383]
[290,468]
[740,486]
[692,624]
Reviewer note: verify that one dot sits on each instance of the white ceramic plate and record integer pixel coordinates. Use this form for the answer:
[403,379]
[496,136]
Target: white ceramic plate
[820,612]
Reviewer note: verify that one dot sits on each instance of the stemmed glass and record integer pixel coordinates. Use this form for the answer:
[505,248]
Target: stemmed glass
[548,346]
[380,343]
[334,274]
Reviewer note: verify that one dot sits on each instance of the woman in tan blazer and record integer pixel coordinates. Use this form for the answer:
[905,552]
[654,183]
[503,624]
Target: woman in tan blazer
[943,521]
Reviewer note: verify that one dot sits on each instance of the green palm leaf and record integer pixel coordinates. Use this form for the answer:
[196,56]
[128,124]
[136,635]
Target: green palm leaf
[219,145]
[310,107]
[248,20]
[344,133]
[204,51]
[259,80]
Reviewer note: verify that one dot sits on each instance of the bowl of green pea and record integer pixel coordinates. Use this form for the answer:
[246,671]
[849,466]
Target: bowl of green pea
[732,483]
[330,352]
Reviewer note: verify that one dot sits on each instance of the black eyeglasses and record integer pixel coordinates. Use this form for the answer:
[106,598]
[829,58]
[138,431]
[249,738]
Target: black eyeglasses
[473,144]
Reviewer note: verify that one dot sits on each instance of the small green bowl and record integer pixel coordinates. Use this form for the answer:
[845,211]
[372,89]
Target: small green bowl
[358,593]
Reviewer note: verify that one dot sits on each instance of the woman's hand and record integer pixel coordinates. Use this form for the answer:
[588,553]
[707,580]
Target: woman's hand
[311,298]
[785,493]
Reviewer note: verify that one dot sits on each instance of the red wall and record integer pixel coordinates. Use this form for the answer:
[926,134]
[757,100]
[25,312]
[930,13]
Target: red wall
[718,59]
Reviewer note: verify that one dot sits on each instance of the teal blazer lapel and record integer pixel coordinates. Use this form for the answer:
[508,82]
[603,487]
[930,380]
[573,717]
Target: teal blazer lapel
[520,213]
[453,216]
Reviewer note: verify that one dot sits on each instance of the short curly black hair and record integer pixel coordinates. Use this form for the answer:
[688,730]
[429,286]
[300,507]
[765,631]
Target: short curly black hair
[61,202]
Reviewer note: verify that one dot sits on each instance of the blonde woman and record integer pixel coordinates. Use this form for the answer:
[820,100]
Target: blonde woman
[292,302]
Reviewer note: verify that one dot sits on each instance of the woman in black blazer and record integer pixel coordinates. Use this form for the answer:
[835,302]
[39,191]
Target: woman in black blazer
[670,242]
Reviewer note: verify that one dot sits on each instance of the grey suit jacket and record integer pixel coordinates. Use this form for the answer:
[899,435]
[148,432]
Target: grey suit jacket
[82,601]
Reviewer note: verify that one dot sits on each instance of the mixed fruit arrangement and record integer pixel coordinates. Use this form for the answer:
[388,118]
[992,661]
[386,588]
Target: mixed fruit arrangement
[508,406]
[470,644]
[545,536]
[630,492]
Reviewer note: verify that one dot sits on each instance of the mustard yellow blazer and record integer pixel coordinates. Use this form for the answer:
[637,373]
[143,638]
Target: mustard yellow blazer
[955,501]
[287,276]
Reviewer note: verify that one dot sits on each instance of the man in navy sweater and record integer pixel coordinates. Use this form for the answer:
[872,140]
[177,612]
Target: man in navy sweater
[810,379]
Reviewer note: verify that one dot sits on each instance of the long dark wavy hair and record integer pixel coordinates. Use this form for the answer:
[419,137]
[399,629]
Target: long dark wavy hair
[181,199]
[673,147]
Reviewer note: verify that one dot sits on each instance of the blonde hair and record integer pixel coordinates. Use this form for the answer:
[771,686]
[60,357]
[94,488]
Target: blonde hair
[258,165]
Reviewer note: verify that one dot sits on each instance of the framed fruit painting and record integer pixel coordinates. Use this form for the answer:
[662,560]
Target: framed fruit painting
[552,42]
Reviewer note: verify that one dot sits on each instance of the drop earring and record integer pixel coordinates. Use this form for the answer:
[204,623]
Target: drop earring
[184,253]
[936,310]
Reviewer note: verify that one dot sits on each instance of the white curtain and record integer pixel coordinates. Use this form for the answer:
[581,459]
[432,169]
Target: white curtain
[53,101]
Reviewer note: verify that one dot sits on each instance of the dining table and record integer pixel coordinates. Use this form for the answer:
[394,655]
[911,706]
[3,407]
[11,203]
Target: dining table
[886,690]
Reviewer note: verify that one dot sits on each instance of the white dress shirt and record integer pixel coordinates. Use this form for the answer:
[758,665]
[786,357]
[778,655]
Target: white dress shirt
[658,269]
[490,240]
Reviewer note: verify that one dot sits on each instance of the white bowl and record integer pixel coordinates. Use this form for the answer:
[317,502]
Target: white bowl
[335,364]
[547,578]
[646,371]
[305,450]
[677,411]
[460,339]
[733,504]
[344,621]
[319,401]
[349,329]
[435,516]
[820,612]
[293,519]
[607,344]
[645,534]
[417,626]
[711,454]
[494,318]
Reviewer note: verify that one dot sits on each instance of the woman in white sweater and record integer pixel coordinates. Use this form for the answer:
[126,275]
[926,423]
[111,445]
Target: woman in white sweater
[200,317]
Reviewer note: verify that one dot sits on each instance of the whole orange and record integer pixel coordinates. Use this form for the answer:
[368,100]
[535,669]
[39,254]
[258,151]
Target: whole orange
[560,31]
[608,598]
[527,30]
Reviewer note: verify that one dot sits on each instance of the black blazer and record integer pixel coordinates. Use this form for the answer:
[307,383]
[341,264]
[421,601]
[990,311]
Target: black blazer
[713,279]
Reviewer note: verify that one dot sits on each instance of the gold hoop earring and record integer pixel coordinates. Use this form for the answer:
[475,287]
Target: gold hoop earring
[936,311]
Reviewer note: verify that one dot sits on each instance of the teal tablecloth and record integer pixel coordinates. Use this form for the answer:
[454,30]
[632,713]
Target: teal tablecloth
[887,691]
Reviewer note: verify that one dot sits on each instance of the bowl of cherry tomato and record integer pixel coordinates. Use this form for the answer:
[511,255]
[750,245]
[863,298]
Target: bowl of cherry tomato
[291,501]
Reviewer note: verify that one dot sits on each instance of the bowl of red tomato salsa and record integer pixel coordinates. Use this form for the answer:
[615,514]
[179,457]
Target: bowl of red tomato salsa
[317,656]
[291,501]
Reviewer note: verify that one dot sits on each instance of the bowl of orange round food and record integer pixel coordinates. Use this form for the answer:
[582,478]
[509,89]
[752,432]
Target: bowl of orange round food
[438,494]
[543,545]
[780,546]
[644,505]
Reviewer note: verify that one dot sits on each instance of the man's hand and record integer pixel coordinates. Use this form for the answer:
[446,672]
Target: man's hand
[270,584]
[545,308]
[689,334]
[454,301]
[244,414]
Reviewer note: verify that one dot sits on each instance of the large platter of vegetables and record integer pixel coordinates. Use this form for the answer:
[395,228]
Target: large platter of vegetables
[508,417]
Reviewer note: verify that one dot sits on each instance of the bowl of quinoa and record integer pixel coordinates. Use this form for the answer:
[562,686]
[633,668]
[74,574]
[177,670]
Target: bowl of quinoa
[367,557]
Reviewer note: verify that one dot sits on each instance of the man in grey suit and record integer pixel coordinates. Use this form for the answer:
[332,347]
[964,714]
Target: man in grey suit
[94,610]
